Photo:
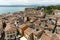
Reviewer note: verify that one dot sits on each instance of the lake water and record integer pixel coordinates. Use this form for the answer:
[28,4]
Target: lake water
[11,9]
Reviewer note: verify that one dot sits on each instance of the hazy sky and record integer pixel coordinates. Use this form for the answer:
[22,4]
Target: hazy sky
[28,2]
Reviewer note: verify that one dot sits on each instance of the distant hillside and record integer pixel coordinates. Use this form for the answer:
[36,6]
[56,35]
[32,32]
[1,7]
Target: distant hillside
[49,9]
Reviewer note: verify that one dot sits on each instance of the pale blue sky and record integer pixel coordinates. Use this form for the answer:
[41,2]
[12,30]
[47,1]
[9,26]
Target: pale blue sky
[28,2]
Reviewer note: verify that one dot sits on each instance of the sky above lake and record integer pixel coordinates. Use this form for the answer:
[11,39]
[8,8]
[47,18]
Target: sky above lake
[29,2]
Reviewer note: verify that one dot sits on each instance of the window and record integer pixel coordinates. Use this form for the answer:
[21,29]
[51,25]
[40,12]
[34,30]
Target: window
[10,32]
[41,20]
[13,32]
[4,39]
[50,19]
[13,39]
[46,25]
[49,29]
[11,36]
[9,39]
[7,35]
[37,29]
[7,32]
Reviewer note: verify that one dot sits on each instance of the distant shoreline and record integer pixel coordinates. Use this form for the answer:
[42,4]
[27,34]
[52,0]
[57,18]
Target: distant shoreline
[26,5]
[18,6]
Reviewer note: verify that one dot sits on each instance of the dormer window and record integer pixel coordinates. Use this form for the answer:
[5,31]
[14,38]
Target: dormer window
[46,25]
[17,22]
[50,19]
[41,20]
[37,29]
